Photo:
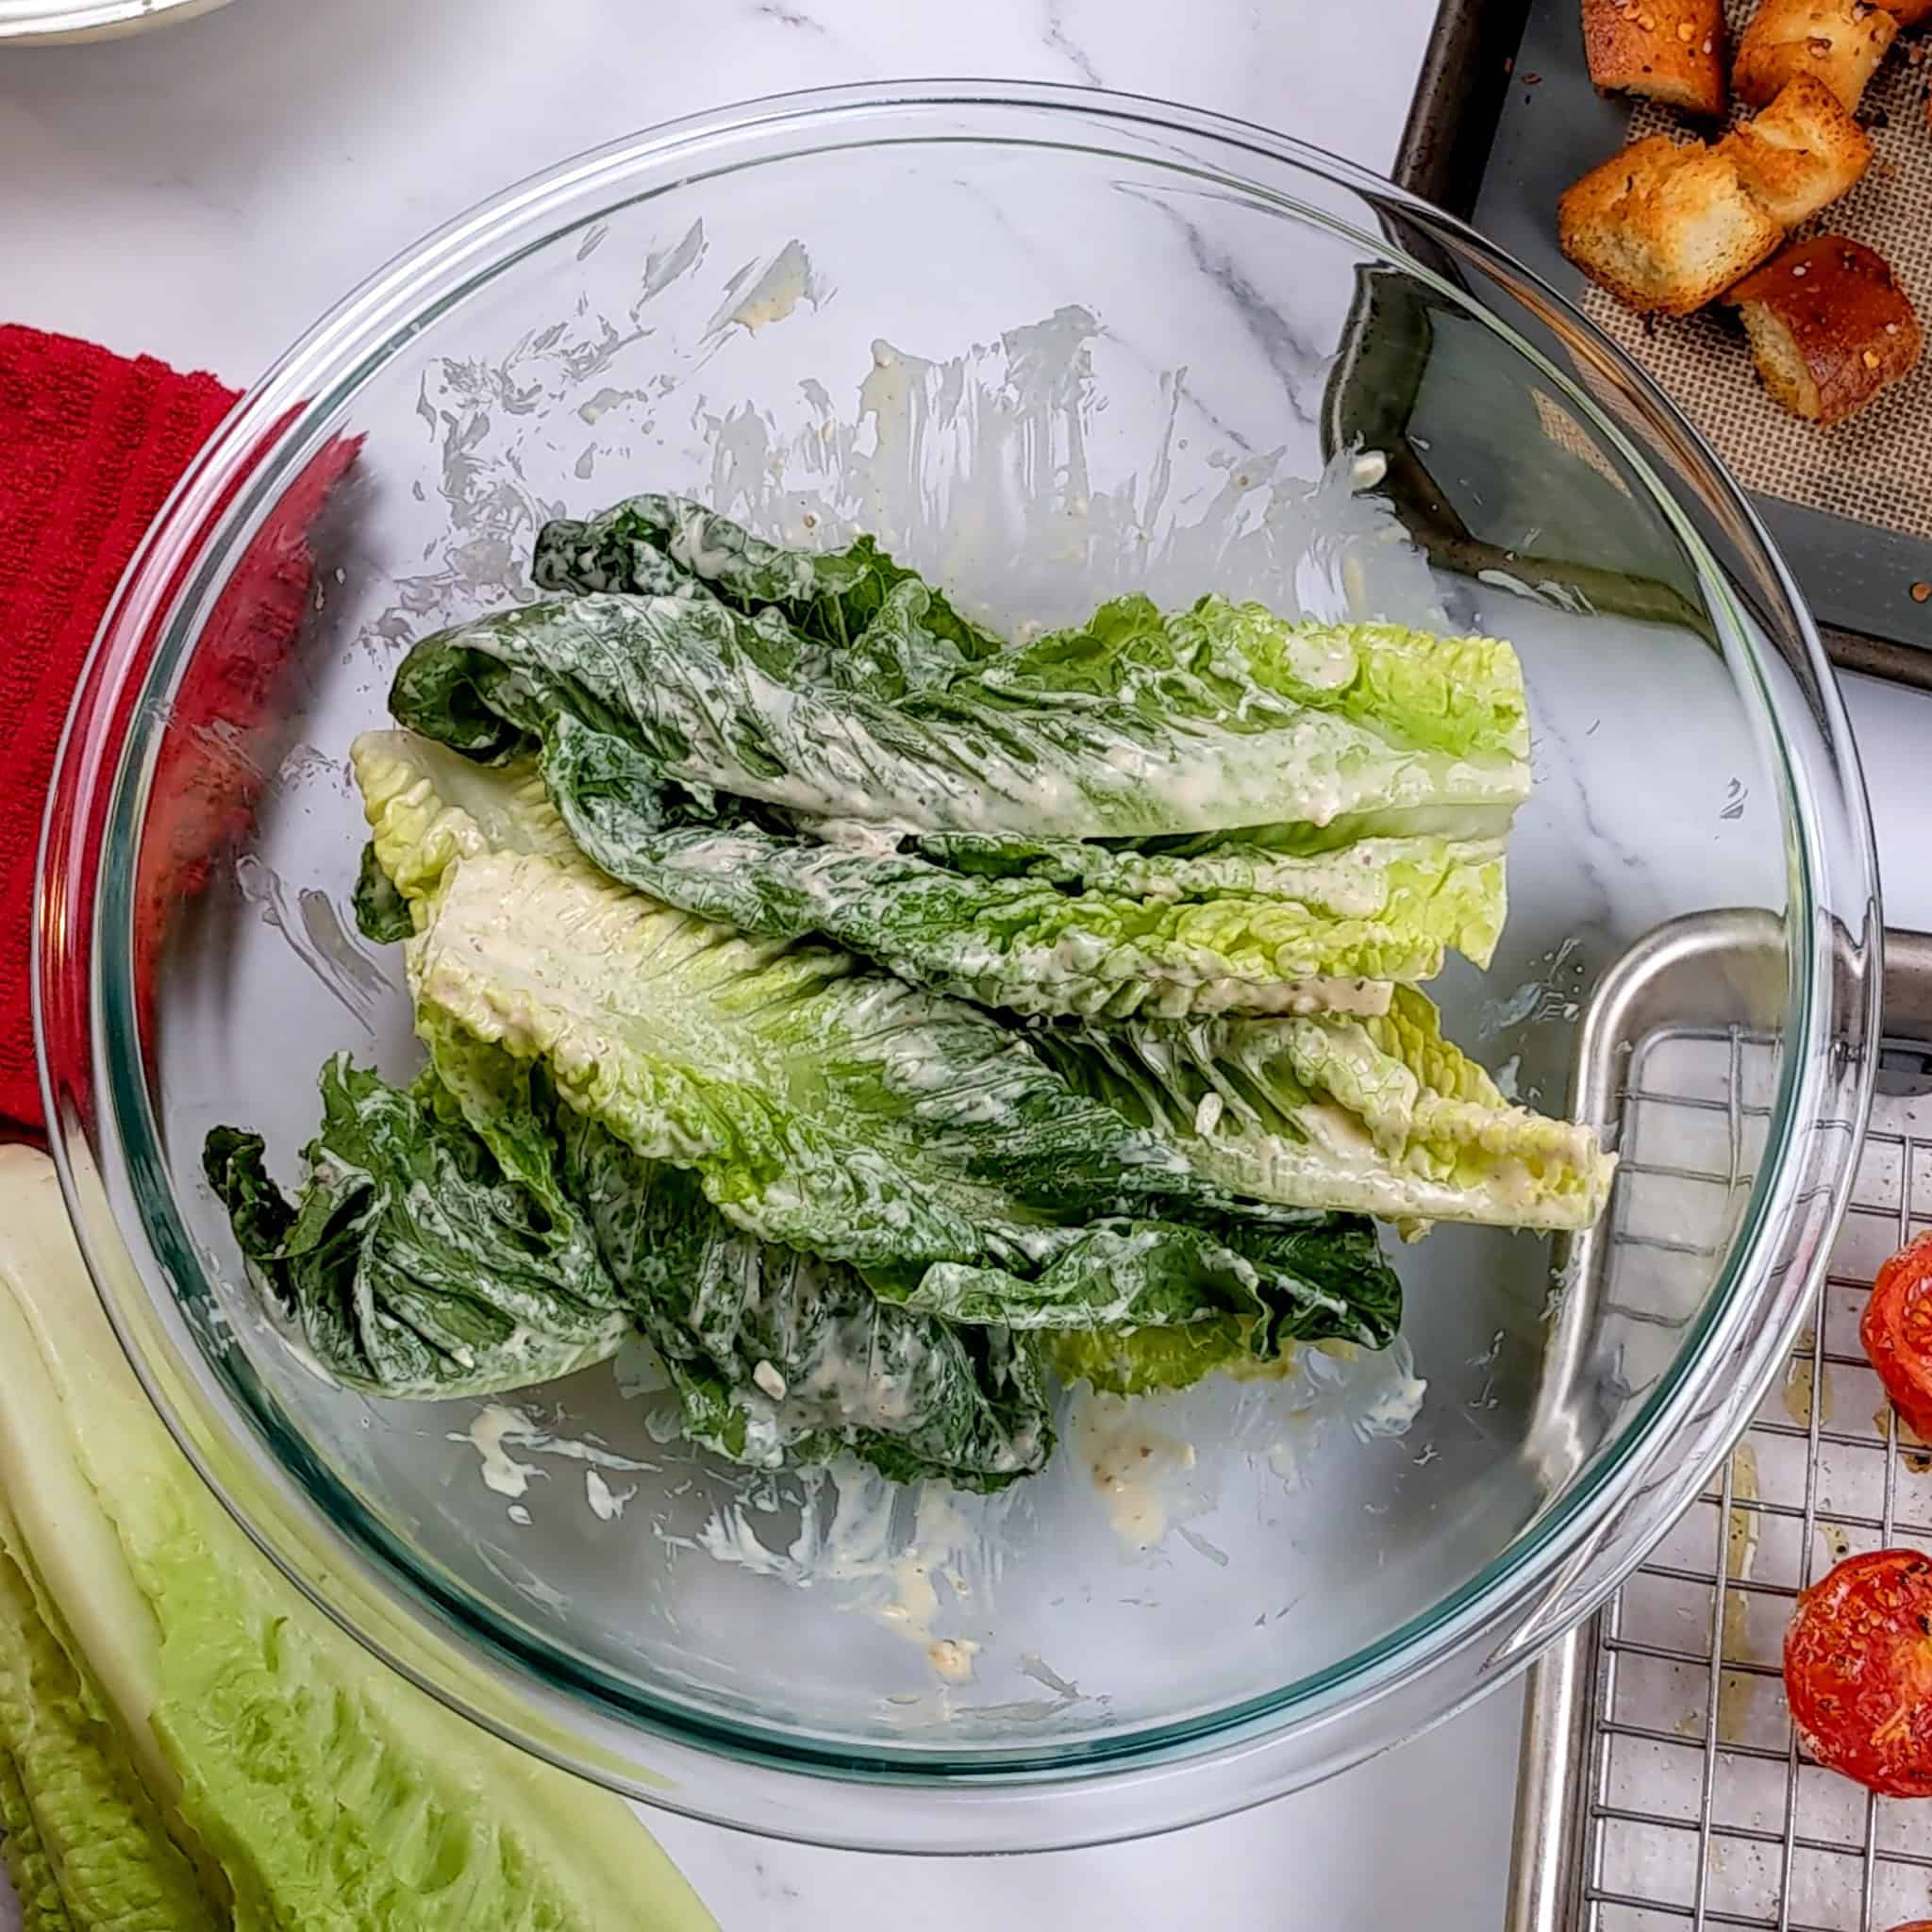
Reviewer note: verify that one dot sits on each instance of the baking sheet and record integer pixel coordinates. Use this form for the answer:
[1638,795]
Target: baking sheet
[1872,468]
[1851,507]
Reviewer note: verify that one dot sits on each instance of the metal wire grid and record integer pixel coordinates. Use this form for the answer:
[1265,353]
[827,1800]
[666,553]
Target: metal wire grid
[1701,1808]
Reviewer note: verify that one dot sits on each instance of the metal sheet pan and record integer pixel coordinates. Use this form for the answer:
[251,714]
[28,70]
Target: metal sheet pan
[1504,119]
[1661,1783]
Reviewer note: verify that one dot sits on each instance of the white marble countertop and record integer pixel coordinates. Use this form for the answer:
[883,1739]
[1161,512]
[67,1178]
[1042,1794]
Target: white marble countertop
[204,193]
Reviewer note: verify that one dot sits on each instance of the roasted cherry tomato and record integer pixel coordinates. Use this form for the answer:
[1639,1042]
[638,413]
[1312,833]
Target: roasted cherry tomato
[1858,1672]
[1896,1330]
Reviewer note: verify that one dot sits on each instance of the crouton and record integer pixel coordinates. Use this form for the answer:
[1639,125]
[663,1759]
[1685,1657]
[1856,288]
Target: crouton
[1665,50]
[1906,12]
[1838,42]
[1803,150]
[1829,326]
[1665,225]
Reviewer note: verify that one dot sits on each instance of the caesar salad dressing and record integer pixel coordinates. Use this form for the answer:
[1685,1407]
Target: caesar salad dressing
[976,466]
[493,1425]
[310,925]
[496,1425]
[854,1535]
[952,1657]
[875,839]
[1132,1464]
[605,1502]
[786,282]
[1392,1409]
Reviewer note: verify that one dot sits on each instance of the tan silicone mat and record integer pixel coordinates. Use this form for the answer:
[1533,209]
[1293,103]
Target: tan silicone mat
[1875,467]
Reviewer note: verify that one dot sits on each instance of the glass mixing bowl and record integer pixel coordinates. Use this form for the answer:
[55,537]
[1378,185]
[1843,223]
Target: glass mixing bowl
[1050,345]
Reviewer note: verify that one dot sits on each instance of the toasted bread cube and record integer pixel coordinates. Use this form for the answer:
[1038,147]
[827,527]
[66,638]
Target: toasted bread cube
[1803,150]
[1838,41]
[1665,50]
[1829,326]
[1908,12]
[1665,225]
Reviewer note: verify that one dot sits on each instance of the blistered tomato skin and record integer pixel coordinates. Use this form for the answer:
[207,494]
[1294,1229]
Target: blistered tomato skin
[1896,1330]
[1858,1672]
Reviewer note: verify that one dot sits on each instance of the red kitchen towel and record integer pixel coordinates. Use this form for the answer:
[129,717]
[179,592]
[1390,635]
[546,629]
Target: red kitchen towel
[90,444]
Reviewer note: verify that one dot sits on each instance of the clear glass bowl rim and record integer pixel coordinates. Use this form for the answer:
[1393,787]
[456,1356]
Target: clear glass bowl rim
[549,1702]
[59,22]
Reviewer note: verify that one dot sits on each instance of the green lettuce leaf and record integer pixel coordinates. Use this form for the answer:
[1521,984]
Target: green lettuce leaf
[778,1356]
[1051,928]
[1376,1112]
[1212,810]
[1138,726]
[856,619]
[381,912]
[823,1107]
[426,1258]
[472,1235]
[717,763]
[1261,1290]
[87,1844]
[217,1753]
[1139,1362]
[24,1856]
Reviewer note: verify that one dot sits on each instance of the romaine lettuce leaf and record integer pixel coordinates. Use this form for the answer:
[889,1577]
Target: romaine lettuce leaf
[87,1844]
[860,620]
[804,742]
[477,1236]
[830,1109]
[426,1258]
[307,1787]
[1266,1288]
[1053,928]
[1377,1113]
[781,1356]
[1138,726]
[382,913]
[1138,1361]
[24,1856]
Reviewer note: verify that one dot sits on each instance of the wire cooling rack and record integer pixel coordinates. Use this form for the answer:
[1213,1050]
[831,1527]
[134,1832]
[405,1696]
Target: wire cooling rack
[1663,1784]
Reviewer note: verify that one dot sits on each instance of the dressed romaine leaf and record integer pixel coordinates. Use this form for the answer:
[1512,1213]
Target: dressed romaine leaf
[473,1235]
[829,1109]
[859,620]
[946,819]
[423,1257]
[382,913]
[825,1108]
[1065,927]
[1373,1112]
[426,808]
[1262,1288]
[780,1357]
[1139,1362]
[1138,726]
